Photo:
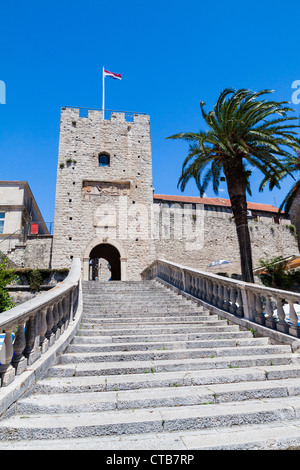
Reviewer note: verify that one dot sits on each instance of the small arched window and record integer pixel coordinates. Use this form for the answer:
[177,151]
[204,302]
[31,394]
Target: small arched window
[103,159]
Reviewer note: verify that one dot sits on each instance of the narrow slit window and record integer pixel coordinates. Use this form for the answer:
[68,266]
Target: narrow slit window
[103,160]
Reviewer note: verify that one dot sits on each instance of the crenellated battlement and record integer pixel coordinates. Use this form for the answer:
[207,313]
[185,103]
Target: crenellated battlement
[97,114]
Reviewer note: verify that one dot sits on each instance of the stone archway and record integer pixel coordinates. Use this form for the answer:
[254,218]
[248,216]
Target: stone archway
[111,255]
[106,248]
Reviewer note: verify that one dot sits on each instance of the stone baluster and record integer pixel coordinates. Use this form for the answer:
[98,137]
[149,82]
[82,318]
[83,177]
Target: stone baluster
[43,330]
[7,371]
[72,309]
[187,282]
[226,304]
[214,299]
[32,335]
[60,317]
[204,289]
[294,328]
[198,287]
[232,297]
[55,328]
[211,292]
[281,325]
[270,321]
[207,282]
[66,306]
[239,304]
[193,288]
[50,324]
[19,361]
[259,316]
[220,295]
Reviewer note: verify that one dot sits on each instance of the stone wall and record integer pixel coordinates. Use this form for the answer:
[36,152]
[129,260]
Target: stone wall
[34,253]
[295,216]
[219,241]
[189,237]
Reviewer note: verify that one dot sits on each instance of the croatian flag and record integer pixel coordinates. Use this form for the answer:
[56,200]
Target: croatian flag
[117,76]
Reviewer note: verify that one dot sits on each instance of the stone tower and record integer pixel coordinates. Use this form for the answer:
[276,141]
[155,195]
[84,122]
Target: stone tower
[104,193]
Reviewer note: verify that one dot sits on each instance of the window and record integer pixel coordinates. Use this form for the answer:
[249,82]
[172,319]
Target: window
[2,217]
[103,160]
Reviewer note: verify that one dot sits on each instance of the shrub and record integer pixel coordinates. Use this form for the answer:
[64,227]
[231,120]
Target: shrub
[35,280]
[276,276]
[7,276]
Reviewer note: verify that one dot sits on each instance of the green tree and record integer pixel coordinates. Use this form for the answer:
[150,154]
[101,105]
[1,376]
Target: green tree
[291,168]
[7,275]
[243,132]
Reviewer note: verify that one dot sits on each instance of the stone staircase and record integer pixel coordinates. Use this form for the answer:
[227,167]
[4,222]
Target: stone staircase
[150,369]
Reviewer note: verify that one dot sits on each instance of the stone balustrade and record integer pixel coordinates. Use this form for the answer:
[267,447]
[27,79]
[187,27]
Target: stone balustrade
[34,326]
[273,308]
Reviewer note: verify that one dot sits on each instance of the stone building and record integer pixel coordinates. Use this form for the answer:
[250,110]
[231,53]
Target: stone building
[105,208]
[24,235]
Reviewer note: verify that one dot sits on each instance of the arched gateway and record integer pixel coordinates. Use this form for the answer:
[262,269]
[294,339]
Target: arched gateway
[107,252]
[110,251]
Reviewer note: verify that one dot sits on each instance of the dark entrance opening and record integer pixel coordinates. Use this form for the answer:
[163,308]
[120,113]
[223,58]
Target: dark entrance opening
[111,255]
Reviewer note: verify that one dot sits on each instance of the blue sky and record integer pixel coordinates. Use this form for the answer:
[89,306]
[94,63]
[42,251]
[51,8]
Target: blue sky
[171,55]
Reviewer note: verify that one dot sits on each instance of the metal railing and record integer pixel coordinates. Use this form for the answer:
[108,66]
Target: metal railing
[13,235]
[38,228]
[34,326]
[266,306]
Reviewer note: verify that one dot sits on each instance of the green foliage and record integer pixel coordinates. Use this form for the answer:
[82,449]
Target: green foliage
[240,127]
[7,276]
[276,276]
[291,168]
[36,277]
[35,280]
[243,132]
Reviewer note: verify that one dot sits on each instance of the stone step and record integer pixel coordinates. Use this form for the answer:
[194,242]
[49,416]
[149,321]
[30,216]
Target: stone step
[226,333]
[135,296]
[174,354]
[161,419]
[167,365]
[117,321]
[149,367]
[179,378]
[281,435]
[144,315]
[134,306]
[155,330]
[136,346]
[157,397]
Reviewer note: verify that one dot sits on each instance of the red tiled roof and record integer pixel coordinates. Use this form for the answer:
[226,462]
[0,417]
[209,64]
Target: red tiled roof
[215,201]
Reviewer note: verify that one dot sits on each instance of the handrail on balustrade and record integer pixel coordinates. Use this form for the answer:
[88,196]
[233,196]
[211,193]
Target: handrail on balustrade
[261,304]
[33,326]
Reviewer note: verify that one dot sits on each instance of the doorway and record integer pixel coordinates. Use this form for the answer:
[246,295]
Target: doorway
[104,263]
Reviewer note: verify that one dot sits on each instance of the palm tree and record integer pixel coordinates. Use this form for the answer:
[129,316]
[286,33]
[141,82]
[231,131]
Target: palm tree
[242,132]
[291,166]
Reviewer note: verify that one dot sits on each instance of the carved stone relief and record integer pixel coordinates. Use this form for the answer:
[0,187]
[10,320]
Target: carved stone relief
[99,188]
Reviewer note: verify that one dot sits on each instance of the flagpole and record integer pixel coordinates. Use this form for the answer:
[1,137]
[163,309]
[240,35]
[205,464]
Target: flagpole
[103,94]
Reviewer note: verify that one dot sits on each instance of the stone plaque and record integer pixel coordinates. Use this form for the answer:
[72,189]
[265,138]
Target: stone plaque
[100,188]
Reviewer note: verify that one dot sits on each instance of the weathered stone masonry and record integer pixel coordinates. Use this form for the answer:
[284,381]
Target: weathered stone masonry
[85,189]
[100,206]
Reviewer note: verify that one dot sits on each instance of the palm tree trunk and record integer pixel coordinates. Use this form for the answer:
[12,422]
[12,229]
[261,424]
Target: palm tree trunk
[236,185]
